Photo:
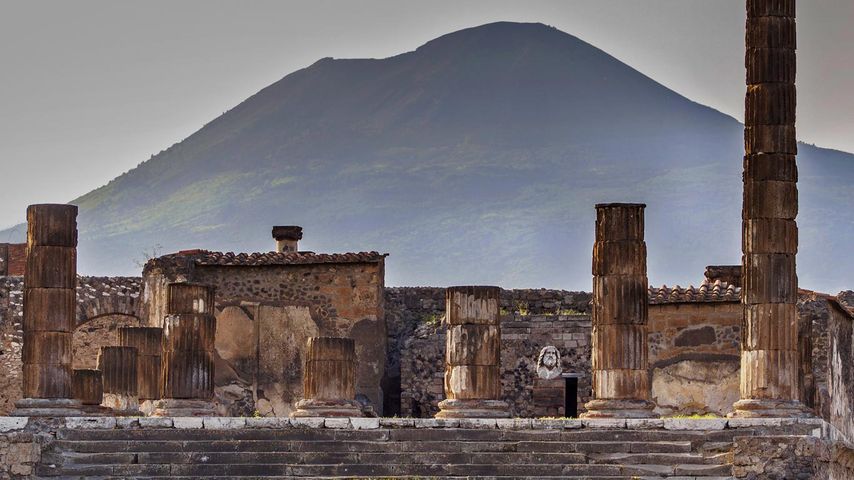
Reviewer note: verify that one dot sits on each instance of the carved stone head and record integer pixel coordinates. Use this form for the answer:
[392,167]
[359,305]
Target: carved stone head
[548,363]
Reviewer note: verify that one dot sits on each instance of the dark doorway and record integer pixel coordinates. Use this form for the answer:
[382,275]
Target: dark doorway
[570,402]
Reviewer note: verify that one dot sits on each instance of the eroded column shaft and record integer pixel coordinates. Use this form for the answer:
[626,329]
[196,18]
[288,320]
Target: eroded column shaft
[148,343]
[118,366]
[187,370]
[769,358]
[620,312]
[473,353]
[50,280]
[329,379]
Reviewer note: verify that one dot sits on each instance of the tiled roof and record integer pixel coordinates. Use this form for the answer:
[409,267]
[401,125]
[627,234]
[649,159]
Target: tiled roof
[707,292]
[205,257]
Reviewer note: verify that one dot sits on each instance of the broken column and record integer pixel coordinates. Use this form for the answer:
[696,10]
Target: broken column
[187,362]
[50,302]
[769,354]
[473,354]
[148,343]
[118,366]
[329,379]
[620,312]
[88,387]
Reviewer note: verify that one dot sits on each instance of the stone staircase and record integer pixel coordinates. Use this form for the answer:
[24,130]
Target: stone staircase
[406,452]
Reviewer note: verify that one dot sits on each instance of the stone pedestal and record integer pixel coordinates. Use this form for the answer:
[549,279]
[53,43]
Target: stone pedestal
[88,389]
[473,354]
[50,281]
[621,385]
[187,371]
[118,366]
[769,358]
[329,379]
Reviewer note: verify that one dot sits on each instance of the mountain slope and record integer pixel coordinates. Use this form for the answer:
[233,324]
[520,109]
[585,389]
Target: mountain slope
[476,158]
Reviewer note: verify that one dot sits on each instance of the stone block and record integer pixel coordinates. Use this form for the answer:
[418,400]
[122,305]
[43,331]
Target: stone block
[337,422]
[187,423]
[155,422]
[268,422]
[437,423]
[754,422]
[695,424]
[307,422]
[8,424]
[397,422]
[479,423]
[600,423]
[644,423]
[90,423]
[363,423]
[224,423]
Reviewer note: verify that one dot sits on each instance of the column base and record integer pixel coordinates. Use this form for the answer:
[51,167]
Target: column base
[769,408]
[122,405]
[327,408]
[458,408]
[97,411]
[48,407]
[183,407]
[619,408]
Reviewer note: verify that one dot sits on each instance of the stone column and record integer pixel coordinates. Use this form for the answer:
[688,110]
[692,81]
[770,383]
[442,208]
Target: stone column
[187,371]
[118,366]
[473,354]
[148,343]
[50,302]
[769,353]
[620,312]
[329,379]
[88,388]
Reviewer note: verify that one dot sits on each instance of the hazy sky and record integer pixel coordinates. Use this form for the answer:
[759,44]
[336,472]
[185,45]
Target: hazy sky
[89,89]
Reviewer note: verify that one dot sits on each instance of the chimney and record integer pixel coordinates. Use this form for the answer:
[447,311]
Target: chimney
[725,273]
[287,237]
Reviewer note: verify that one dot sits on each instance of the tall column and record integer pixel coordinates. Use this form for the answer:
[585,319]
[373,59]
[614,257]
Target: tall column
[329,379]
[50,281]
[620,312]
[769,350]
[118,366]
[187,370]
[148,343]
[473,354]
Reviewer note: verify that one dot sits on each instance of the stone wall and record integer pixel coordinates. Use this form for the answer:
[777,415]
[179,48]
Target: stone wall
[694,357]
[11,330]
[779,457]
[266,312]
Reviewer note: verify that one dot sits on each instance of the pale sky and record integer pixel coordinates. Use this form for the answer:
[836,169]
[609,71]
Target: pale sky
[89,89]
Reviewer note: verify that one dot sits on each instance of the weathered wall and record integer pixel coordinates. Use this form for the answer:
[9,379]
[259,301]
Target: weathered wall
[13,258]
[694,357]
[841,371]
[11,314]
[779,458]
[265,313]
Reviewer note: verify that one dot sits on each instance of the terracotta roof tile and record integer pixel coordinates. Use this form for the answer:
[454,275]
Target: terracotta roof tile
[707,292]
[205,257]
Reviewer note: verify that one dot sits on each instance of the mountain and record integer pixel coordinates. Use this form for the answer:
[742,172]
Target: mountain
[476,158]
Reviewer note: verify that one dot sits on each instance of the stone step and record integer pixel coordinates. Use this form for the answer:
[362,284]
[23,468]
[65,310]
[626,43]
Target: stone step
[396,435]
[384,470]
[107,446]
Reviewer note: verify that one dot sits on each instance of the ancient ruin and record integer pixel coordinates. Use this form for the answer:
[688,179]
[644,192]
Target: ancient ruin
[620,314]
[300,364]
[769,358]
[187,372]
[49,305]
[472,366]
